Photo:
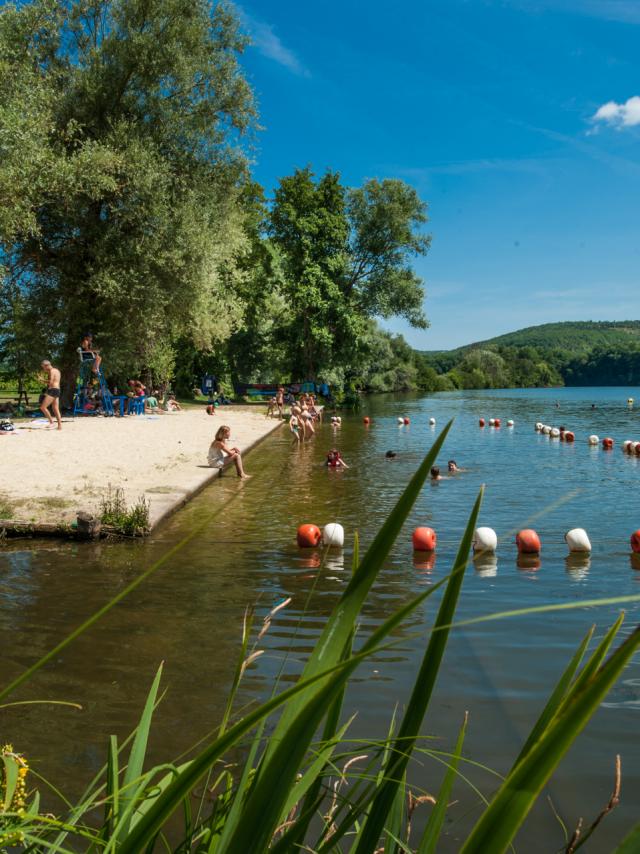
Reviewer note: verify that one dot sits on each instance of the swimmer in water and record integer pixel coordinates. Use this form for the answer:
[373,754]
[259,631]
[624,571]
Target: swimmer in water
[390,455]
[335,461]
[452,467]
[435,474]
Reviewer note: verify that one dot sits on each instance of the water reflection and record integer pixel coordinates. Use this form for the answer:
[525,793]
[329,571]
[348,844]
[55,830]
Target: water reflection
[577,565]
[486,564]
[424,561]
[528,562]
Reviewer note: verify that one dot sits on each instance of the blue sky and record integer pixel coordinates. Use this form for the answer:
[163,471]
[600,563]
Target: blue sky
[517,121]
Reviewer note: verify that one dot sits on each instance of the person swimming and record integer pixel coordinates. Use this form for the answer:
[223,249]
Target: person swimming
[335,461]
[391,455]
[453,467]
[435,474]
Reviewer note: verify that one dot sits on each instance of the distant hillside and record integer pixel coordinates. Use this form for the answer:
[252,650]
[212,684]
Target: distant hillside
[578,337]
[573,353]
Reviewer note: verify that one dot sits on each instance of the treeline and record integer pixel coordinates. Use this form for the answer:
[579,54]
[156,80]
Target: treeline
[128,208]
[529,367]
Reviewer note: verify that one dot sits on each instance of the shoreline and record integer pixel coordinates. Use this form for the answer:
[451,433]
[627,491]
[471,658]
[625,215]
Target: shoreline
[50,476]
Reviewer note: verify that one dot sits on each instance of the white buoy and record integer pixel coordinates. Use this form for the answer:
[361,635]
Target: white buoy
[400,420]
[627,446]
[593,440]
[539,426]
[546,429]
[577,540]
[510,423]
[555,433]
[432,421]
[333,535]
[492,422]
[485,540]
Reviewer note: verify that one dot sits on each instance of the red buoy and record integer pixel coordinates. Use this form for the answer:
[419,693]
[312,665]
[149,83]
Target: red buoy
[569,436]
[308,536]
[528,542]
[607,443]
[424,539]
[636,448]
[481,422]
[366,420]
[496,422]
[406,421]
[635,542]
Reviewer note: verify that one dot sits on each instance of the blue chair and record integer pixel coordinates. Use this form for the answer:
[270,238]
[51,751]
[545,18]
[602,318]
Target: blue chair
[136,405]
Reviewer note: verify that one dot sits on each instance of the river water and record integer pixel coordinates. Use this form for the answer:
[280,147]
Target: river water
[189,613]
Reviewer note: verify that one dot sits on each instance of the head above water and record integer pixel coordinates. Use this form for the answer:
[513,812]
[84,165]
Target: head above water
[435,472]
[451,465]
[390,455]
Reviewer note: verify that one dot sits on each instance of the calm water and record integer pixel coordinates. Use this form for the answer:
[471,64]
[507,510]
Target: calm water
[189,614]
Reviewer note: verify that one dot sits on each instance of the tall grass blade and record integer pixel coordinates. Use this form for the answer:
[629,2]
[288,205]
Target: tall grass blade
[500,822]
[555,700]
[112,793]
[334,637]
[396,818]
[420,696]
[631,843]
[431,835]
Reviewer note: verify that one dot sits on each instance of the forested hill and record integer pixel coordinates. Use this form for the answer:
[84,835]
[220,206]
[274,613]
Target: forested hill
[571,353]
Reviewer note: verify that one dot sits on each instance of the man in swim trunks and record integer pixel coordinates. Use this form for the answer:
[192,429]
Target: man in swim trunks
[52,394]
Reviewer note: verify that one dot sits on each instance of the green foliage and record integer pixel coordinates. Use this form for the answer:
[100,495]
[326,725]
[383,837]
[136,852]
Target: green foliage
[572,353]
[123,211]
[291,792]
[130,521]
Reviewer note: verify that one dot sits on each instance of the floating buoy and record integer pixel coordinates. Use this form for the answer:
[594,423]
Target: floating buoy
[627,446]
[539,426]
[555,433]
[485,540]
[546,429]
[400,419]
[607,443]
[406,421]
[510,423]
[577,540]
[496,422]
[432,421]
[569,436]
[308,536]
[528,542]
[424,539]
[635,542]
[636,449]
[492,422]
[630,401]
[366,420]
[333,535]
[593,440]
[481,422]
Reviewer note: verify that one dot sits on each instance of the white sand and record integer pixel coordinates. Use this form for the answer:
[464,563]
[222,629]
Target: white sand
[49,475]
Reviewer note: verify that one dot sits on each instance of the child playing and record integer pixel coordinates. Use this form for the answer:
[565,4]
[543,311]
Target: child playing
[335,461]
[221,455]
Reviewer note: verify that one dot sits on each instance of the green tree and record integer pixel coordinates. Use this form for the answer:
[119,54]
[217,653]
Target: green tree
[136,228]
[345,260]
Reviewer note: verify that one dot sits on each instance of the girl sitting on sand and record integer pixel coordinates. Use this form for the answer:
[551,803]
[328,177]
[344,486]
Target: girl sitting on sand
[221,455]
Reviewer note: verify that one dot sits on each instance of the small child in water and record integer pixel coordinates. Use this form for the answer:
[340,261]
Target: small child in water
[335,461]
[435,474]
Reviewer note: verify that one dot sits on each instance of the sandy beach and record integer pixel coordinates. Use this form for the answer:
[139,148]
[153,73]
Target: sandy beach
[50,475]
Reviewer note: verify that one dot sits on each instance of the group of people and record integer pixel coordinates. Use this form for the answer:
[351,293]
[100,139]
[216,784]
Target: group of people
[304,415]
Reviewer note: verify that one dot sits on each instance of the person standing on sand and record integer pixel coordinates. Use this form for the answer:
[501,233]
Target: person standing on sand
[52,394]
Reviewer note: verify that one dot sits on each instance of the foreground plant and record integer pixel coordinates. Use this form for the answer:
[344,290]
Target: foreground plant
[291,793]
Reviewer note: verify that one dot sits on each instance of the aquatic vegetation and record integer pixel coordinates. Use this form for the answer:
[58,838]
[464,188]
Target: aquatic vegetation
[130,521]
[303,784]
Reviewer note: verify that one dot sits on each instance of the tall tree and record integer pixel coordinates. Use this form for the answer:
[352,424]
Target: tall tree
[136,229]
[346,259]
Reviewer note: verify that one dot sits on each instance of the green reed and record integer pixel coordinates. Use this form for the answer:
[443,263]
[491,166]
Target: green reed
[291,793]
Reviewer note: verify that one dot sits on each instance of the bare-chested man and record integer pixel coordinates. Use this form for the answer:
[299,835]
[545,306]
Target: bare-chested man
[52,394]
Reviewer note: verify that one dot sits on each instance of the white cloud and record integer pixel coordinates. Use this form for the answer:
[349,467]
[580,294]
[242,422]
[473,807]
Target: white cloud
[269,44]
[619,115]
